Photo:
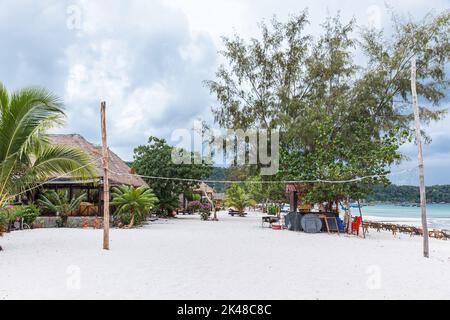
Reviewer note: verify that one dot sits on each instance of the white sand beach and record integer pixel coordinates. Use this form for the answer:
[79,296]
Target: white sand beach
[234,258]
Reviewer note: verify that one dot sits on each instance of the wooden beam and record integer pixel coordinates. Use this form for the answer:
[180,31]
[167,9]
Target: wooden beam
[105,157]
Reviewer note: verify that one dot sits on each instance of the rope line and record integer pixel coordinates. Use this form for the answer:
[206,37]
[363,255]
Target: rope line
[356,179]
[53,179]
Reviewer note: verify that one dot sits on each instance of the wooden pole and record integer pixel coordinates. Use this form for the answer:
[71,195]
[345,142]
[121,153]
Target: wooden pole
[423,200]
[362,222]
[349,216]
[105,163]
[212,205]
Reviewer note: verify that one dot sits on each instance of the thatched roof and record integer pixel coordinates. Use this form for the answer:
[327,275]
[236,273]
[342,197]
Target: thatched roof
[95,152]
[301,188]
[204,187]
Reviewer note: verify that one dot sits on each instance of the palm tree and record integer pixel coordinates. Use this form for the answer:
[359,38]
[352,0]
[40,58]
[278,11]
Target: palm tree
[60,202]
[26,156]
[236,196]
[135,201]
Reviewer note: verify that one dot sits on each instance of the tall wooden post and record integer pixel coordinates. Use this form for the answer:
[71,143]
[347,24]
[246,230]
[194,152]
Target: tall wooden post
[362,221]
[423,199]
[105,157]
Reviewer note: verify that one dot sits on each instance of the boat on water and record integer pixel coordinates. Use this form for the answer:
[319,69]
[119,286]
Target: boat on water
[353,205]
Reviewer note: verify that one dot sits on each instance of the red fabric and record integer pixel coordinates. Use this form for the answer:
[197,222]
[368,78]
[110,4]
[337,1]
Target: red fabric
[355,225]
[290,187]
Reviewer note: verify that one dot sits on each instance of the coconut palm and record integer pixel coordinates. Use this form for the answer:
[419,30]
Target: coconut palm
[26,157]
[236,197]
[137,202]
[60,203]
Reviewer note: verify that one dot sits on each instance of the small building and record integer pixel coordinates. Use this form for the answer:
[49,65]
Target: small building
[295,193]
[200,190]
[121,174]
[203,189]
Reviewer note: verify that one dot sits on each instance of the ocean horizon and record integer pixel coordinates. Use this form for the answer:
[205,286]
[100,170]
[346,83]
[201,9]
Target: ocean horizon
[438,215]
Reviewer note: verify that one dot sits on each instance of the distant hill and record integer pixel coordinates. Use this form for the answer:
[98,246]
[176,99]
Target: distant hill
[410,194]
[219,173]
[391,193]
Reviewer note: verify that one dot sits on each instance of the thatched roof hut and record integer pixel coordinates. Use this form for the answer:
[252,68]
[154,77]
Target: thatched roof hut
[95,152]
[204,188]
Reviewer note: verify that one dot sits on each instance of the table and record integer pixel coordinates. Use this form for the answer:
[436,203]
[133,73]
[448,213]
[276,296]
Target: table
[269,220]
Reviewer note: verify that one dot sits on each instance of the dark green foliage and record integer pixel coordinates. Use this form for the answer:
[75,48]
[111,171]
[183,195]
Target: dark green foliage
[338,120]
[29,213]
[133,204]
[59,202]
[410,194]
[154,159]
[219,174]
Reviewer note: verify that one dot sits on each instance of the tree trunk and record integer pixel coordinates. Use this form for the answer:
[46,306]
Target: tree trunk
[132,220]
[212,206]
[423,200]
[105,158]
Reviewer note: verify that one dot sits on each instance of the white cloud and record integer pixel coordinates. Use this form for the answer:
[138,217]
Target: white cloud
[148,59]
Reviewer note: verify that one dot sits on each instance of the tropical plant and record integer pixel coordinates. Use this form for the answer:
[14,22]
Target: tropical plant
[4,221]
[205,211]
[60,202]
[262,190]
[155,159]
[26,156]
[237,197]
[29,213]
[133,202]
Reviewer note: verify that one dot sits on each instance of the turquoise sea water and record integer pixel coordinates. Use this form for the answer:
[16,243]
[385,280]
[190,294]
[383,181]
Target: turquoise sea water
[438,214]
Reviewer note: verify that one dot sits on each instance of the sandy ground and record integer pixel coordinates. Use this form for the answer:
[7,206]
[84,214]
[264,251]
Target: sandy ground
[233,258]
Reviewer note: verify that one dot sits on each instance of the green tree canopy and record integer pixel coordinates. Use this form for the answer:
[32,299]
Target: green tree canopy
[338,120]
[154,159]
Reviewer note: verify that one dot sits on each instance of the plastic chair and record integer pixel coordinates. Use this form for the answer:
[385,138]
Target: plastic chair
[355,225]
[341,224]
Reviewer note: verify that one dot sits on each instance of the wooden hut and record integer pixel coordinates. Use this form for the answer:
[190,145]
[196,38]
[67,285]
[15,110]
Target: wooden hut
[295,193]
[93,187]
[204,188]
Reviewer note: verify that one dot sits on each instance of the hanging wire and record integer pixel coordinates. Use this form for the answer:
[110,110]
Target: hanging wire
[356,179]
[53,179]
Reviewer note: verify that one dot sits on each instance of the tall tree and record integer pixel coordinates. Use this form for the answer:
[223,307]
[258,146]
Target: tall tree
[338,120]
[155,160]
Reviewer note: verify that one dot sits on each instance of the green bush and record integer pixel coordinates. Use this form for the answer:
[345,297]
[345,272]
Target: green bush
[272,210]
[60,222]
[4,220]
[29,213]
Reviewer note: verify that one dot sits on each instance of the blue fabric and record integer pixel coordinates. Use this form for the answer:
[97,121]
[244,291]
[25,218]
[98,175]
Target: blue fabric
[341,224]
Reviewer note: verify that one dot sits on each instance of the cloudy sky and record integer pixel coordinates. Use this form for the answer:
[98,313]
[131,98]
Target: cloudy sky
[148,59]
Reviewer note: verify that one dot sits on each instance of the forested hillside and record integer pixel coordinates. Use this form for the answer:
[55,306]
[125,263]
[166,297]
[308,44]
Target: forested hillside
[394,193]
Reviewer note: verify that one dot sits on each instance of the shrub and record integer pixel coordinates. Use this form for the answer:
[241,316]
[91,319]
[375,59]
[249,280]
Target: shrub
[194,206]
[272,210]
[4,221]
[60,222]
[205,211]
[29,213]
[133,204]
